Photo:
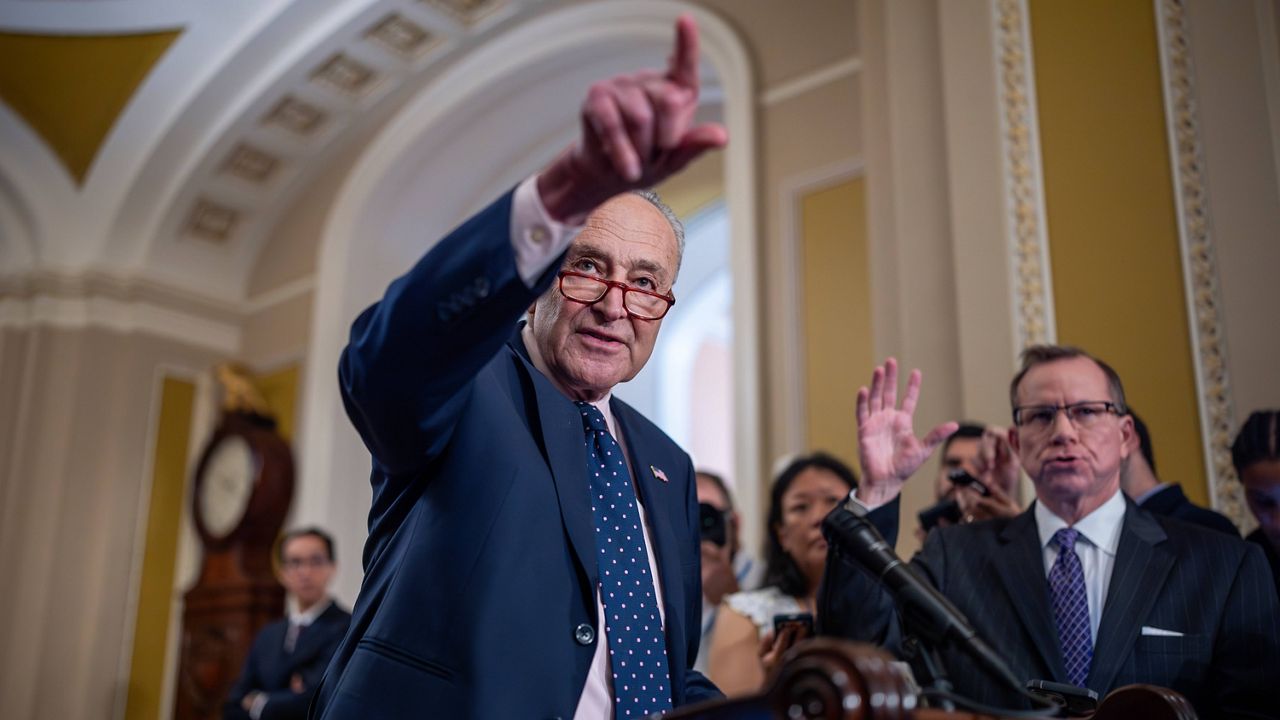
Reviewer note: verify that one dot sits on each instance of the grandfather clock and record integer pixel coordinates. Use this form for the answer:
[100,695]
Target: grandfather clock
[243,486]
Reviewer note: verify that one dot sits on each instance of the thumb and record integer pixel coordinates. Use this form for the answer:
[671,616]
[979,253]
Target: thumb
[937,435]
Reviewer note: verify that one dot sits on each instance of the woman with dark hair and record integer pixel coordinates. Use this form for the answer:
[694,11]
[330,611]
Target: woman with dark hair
[1256,455]
[742,643]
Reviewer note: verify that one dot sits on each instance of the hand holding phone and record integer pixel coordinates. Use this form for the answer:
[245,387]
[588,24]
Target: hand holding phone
[961,478]
[802,622]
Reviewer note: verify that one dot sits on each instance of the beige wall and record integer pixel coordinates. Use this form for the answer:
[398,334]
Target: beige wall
[75,462]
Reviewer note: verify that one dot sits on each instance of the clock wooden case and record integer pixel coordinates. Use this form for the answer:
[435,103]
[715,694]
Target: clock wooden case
[242,490]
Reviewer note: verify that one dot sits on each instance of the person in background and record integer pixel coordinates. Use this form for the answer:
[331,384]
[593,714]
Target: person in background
[1083,588]
[1256,456]
[744,648]
[1138,480]
[289,656]
[980,452]
[727,567]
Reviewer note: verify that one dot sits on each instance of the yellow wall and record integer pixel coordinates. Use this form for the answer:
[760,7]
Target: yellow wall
[1113,236]
[168,485]
[837,313]
[71,90]
[280,389]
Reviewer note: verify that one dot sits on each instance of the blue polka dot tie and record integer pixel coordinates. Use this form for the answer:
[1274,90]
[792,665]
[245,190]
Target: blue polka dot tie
[637,651]
[1071,607]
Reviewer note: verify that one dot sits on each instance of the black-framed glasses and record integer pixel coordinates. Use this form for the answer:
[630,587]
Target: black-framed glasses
[1039,418]
[295,564]
[640,304]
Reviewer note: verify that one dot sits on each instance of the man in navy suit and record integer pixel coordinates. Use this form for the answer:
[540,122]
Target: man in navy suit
[288,657]
[533,541]
[1084,588]
[1138,480]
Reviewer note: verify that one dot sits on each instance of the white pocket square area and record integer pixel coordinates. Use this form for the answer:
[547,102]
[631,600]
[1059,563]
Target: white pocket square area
[1159,632]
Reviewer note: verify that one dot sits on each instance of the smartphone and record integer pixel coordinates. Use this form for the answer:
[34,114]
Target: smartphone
[803,620]
[1078,701]
[711,524]
[948,510]
[961,478]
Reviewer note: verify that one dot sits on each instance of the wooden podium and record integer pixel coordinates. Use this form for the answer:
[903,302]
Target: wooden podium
[827,679]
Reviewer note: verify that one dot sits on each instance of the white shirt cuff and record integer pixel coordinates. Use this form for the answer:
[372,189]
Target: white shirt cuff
[536,238]
[259,702]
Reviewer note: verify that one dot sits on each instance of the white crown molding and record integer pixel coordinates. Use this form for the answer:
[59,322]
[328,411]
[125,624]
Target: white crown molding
[126,317]
[848,67]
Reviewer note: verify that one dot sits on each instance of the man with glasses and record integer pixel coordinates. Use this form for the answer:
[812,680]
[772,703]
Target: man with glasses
[533,541]
[1084,588]
[289,656]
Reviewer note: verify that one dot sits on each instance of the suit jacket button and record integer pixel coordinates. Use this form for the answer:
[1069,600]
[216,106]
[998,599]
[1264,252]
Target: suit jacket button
[584,634]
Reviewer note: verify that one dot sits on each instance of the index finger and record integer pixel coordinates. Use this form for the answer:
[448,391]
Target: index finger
[683,67]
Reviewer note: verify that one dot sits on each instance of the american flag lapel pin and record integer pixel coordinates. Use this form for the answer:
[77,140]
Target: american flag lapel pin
[657,472]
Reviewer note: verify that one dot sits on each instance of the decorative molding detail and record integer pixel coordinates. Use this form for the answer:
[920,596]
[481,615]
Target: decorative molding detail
[297,116]
[251,164]
[346,74]
[402,36]
[468,12]
[123,316]
[212,221]
[1024,186]
[1199,263]
[803,84]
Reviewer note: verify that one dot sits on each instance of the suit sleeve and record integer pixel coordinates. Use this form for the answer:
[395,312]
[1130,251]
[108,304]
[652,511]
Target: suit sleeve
[248,681]
[1246,654]
[853,604]
[411,358]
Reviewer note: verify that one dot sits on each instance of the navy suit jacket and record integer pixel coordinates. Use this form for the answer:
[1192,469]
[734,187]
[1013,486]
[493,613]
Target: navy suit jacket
[1170,575]
[479,596]
[1173,502]
[270,669]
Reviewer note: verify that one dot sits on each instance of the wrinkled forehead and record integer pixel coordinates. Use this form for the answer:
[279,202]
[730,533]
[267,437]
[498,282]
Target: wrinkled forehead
[1066,380]
[628,229]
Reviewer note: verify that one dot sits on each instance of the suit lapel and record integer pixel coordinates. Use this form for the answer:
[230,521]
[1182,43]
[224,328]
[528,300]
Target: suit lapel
[1021,569]
[656,496]
[1140,571]
[562,439]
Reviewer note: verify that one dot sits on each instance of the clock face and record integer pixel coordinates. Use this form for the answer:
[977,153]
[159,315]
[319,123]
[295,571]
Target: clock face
[227,486]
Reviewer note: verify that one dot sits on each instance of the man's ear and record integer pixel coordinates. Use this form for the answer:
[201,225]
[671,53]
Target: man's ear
[1013,438]
[1130,436]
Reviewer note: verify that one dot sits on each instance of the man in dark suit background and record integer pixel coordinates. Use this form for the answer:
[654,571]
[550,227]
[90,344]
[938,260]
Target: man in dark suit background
[288,657]
[1138,480]
[1084,588]
[533,542]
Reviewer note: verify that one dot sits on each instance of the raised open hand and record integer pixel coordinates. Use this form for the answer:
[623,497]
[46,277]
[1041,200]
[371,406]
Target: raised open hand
[637,130]
[888,448]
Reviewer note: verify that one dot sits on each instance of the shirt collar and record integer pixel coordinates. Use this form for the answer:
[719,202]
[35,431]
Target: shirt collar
[306,618]
[1152,493]
[1100,527]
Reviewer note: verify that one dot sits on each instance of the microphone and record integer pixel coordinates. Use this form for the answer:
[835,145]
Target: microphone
[924,610]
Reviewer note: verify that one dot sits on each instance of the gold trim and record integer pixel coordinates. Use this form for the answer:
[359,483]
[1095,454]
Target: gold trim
[1028,240]
[1199,260]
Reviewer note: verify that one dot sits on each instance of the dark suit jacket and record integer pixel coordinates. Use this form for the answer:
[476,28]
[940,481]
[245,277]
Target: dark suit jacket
[479,596]
[269,668]
[1273,556]
[1172,502]
[1213,588]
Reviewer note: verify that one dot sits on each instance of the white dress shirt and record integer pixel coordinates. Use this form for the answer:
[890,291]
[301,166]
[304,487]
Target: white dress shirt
[1096,547]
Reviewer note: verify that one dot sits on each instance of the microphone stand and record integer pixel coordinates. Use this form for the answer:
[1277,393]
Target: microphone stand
[928,661]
